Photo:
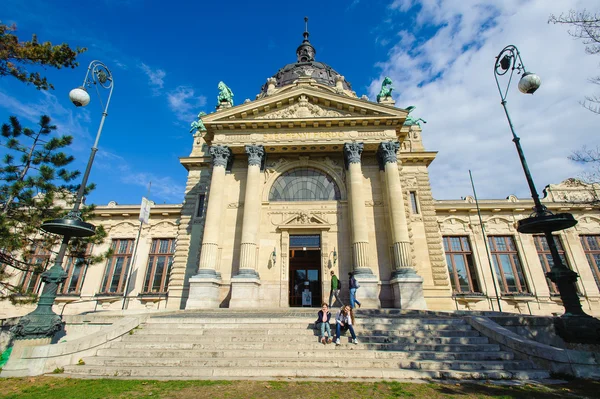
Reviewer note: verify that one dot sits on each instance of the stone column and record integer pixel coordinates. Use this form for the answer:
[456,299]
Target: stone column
[368,294]
[407,285]
[204,286]
[245,285]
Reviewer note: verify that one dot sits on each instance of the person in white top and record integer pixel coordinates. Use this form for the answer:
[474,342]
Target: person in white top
[344,321]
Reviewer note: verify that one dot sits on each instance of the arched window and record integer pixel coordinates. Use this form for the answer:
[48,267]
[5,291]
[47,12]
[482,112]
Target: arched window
[304,184]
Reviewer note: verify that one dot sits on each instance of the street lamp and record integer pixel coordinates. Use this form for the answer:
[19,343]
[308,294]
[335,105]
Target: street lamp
[43,322]
[574,325]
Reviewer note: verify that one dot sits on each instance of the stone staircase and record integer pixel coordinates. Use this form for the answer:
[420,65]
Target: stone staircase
[226,344]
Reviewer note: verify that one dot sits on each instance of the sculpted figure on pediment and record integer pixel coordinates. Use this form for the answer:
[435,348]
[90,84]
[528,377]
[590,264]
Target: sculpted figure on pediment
[302,109]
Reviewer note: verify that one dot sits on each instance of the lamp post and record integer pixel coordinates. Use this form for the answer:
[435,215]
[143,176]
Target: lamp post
[574,325]
[43,322]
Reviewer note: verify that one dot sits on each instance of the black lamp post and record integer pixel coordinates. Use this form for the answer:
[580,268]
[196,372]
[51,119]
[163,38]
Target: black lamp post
[43,322]
[574,325]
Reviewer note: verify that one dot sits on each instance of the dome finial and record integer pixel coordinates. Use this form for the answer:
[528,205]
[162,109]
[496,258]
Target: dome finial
[306,52]
[305,30]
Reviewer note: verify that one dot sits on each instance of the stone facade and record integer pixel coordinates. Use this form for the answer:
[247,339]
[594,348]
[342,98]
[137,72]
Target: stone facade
[234,244]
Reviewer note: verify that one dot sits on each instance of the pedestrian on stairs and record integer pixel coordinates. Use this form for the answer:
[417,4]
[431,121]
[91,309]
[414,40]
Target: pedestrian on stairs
[336,286]
[322,323]
[344,321]
[353,285]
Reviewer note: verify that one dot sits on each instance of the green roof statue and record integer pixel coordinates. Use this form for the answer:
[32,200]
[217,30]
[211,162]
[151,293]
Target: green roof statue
[410,121]
[225,94]
[198,125]
[386,89]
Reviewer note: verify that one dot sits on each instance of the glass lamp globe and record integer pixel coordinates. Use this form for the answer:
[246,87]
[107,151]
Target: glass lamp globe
[79,97]
[529,83]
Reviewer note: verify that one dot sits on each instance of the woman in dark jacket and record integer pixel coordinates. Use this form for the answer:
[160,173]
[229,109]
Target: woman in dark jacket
[322,323]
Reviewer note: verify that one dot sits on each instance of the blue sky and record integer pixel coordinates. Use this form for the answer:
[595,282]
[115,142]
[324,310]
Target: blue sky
[168,57]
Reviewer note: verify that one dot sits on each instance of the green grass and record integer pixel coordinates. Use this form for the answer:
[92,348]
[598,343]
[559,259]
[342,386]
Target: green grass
[70,388]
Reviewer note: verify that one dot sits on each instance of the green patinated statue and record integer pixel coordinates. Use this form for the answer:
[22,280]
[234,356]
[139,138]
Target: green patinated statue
[198,125]
[386,89]
[410,121]
[225,94]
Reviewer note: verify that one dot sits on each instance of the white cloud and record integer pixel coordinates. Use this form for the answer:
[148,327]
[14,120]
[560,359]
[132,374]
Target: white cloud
[163,189]
[184,102]
[155,76]
[449,77]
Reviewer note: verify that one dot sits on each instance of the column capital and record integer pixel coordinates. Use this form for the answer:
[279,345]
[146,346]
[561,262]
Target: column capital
[352,152]
[221,155]
[256,154]
[386,153]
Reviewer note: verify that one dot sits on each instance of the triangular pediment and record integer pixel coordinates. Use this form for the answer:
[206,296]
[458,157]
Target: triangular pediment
[304,219]
[304,102]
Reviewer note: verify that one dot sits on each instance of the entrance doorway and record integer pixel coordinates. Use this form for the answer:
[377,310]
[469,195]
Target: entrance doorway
[305,271]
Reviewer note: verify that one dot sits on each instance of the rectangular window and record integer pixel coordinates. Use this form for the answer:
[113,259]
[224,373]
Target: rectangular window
[507,264]
[75,267]
[591,247]
[38,260]
[200,208]
[541,244]
[159,266]
[461,268]
[414,204]
[117,267]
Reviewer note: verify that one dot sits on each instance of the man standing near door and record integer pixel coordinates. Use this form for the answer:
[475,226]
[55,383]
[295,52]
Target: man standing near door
[335,289]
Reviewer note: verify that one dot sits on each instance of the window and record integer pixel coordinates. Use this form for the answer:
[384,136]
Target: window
[200,205]
[159,266]
[38,260]
[591,247]
[508,267]
[117,267]
[541,244]
[414,204]
[75,267]
[304,184]
[460,265]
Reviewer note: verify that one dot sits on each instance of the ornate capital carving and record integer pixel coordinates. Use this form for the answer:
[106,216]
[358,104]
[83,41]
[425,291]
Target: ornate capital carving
[256,154]
[386,153]
[352,153]
[220,155]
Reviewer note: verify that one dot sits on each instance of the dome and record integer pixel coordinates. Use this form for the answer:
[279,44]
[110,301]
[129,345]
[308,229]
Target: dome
[306,66]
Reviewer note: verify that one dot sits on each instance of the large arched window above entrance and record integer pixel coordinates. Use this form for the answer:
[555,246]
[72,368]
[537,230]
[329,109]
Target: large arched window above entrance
[304,184]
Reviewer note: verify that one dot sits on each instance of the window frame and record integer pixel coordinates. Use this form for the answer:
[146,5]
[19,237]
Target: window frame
[71,263]
[111,263]
[589,255]
[153,257]
[414,202]
[496,254]
[543,255]
[41,253]
[466,252]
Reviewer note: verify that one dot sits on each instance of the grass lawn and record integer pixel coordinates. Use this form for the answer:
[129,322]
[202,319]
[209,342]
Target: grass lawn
[70,388]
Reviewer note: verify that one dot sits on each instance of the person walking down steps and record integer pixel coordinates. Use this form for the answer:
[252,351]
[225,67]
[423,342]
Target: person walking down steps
[336,286]
[353,284]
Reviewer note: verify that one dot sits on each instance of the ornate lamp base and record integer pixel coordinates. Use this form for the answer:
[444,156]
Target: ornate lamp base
[582,329]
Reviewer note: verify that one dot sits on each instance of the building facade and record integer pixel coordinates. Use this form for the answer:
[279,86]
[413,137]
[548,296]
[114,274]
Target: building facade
[307,179]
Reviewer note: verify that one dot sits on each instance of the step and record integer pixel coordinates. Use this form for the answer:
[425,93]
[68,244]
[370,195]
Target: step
[212,332]
[294,338]
[192,322]
[277,372]
[304,346]
[324,351]
[322,362]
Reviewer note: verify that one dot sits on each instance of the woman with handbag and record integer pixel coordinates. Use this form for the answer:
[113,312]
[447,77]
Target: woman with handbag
[353,285]
[344,321]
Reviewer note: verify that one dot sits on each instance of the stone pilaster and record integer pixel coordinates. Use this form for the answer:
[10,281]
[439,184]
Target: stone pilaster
[407,285]
[245,285]
[204,286]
